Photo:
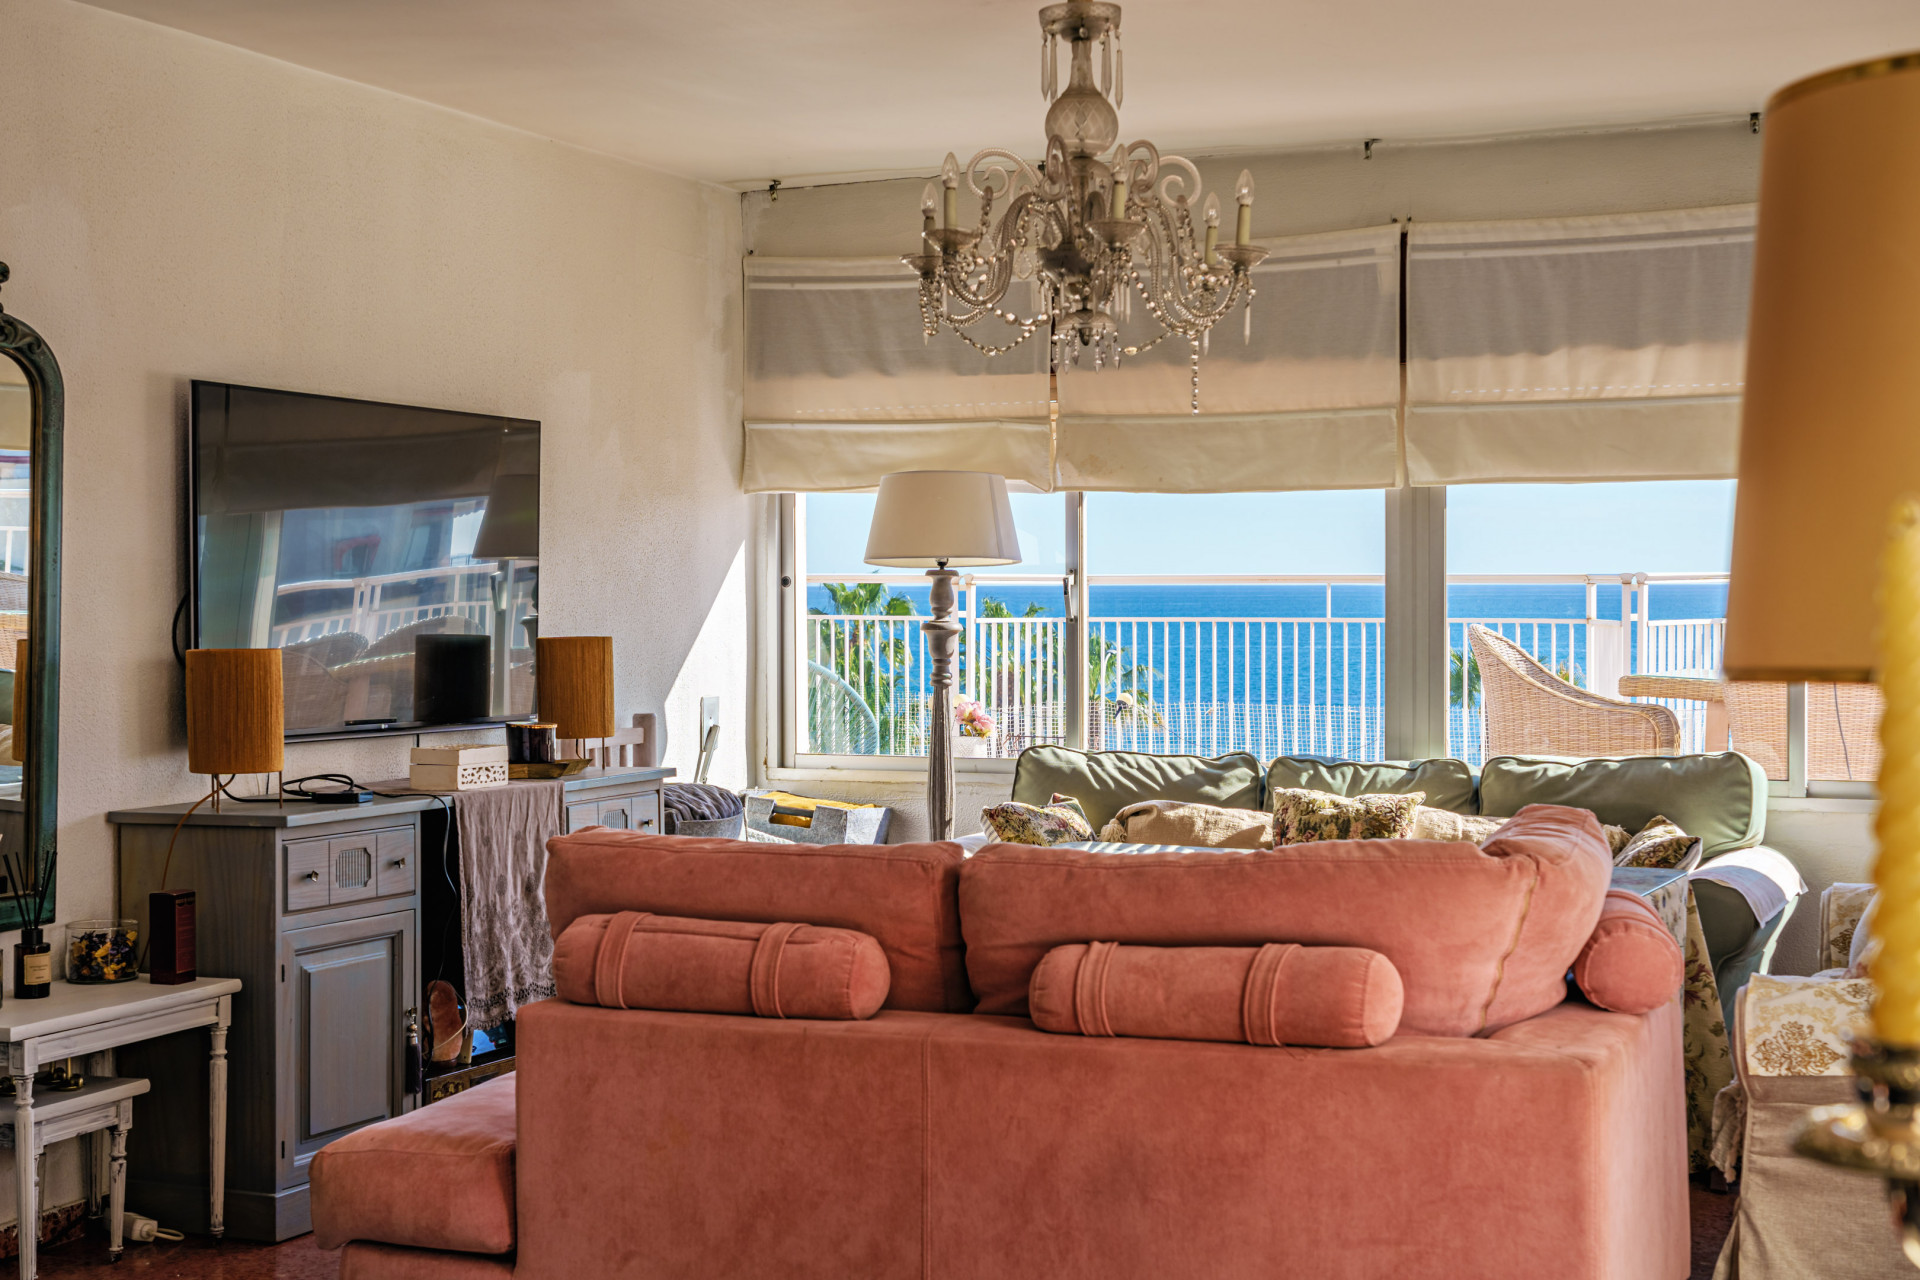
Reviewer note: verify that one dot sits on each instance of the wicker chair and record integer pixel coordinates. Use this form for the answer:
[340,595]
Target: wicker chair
[1530,711]
[1843,742]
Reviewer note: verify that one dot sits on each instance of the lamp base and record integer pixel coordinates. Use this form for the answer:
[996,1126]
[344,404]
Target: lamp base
[1879,1134]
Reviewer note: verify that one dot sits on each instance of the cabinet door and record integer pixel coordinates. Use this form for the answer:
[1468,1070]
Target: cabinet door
[584,814]
[639,812]
[344,1056]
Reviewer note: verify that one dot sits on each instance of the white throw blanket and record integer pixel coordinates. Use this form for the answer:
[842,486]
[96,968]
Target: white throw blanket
[504,939]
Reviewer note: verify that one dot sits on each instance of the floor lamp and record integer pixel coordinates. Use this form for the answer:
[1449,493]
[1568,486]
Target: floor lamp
[1826,547]
[941,521]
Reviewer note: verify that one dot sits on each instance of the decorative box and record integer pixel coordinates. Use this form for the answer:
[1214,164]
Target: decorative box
[457,768]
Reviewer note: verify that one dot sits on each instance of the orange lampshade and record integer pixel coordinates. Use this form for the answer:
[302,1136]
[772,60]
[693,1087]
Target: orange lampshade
[18,747]
[235,714]
[575,677]
[1830,436]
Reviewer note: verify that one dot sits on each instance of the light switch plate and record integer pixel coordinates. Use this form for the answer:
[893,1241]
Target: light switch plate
[709,715]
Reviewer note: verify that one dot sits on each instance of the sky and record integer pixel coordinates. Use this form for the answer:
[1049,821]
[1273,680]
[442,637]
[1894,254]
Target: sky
[1667,526]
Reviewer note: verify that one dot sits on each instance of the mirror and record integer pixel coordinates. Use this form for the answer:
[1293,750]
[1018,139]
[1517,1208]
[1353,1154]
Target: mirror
[31,412]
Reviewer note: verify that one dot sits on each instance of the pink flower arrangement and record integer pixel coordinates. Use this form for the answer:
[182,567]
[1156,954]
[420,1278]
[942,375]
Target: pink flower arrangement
[972,719]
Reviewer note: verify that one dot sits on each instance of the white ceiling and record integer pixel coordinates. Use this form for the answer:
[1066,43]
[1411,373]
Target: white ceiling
[747,90]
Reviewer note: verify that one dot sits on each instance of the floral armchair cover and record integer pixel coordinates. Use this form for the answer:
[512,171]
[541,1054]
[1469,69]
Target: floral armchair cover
[1791,1037]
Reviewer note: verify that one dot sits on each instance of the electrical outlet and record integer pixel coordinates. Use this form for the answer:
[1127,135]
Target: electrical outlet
[709,715]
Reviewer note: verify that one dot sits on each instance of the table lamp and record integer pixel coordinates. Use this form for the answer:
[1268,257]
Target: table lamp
[574,675]
[1826,546]
[940,521]
[235,714]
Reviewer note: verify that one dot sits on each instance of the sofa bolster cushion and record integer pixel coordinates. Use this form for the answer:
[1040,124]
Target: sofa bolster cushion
[1481,936]
[1447,784]
[1631,964]
[903,895]
[440,1177]
[1277,994]
[635,960]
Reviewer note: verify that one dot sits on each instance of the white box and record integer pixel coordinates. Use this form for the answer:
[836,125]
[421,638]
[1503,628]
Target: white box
[458,777]
[459,755]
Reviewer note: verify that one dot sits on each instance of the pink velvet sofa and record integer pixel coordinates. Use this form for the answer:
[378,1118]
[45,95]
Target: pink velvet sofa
[1508,1131]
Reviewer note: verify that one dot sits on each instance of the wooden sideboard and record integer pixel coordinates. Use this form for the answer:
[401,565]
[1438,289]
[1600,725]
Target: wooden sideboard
[318,910]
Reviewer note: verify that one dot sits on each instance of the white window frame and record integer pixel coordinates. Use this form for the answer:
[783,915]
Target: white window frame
[1415,707]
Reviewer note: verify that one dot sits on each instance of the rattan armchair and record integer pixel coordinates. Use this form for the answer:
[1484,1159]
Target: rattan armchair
[1843,743]
[1528,710]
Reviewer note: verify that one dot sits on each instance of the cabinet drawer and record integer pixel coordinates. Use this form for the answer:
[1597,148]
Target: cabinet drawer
[351,879]
[393,862]
[632,813]
[308,862]
[582,815]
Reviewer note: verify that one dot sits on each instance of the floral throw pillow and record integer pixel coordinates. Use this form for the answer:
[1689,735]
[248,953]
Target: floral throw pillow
[1056,823]
[1301,816]
[1661,843]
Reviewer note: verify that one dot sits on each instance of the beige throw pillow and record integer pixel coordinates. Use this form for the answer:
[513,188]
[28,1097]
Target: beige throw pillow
[1301,816]
[1444,824]
[1184,822]
[1661,843]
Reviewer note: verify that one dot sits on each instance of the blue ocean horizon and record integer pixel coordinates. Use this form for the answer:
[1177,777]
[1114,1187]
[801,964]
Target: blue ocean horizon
[1559,602]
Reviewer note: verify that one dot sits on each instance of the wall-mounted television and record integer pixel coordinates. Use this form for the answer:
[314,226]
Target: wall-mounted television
[391,553]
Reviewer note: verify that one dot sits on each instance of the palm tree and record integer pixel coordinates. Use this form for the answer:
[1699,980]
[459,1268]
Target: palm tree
[1118,693]
[1463,688]
[874,668]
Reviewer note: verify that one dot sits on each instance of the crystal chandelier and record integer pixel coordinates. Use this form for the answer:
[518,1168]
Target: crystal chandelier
[1095,224]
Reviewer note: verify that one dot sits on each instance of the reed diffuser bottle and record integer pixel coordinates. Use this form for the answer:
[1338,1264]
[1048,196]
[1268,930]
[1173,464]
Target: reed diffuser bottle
[32,965]
[29,881]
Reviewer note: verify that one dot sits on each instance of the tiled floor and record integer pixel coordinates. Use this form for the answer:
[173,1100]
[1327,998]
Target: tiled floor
[202,1259]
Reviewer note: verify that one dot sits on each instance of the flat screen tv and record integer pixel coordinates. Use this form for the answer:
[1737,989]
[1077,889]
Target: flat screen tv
[390,553]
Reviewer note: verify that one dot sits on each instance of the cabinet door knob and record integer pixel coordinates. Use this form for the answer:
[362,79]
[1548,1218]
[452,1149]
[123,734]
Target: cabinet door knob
[646,822]
[398,862]
[312,875]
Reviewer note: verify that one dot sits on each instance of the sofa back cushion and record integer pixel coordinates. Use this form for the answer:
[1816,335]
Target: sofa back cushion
[1481,937]
[1448,784]
[904,895]
[1104,782]
[1722,799]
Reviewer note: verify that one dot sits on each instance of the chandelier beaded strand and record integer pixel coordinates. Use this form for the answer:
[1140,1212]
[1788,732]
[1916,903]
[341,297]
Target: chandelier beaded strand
[1092,224]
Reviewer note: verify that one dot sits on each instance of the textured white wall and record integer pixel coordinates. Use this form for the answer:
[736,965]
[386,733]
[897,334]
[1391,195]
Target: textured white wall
[174,208]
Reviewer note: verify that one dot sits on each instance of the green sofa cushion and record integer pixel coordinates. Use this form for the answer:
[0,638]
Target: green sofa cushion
[1448,783]
[1104,782]
[1722,799]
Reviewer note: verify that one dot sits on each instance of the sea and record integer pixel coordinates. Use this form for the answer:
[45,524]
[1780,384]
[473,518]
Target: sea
[1304,678]
[1232,600]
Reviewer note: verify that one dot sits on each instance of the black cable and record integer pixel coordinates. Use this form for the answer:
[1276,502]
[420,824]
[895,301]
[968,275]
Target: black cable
[173,635]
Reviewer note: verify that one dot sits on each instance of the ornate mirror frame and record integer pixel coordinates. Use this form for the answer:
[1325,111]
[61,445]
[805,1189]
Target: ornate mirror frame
[40,777]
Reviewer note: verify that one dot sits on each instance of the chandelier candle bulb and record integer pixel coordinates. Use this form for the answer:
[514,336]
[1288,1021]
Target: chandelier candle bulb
[928,204]
[1243,226]
[950,181]
[1120,177]
[1212,215]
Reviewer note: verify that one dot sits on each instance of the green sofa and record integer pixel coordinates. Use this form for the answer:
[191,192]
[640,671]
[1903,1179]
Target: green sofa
[1721,799]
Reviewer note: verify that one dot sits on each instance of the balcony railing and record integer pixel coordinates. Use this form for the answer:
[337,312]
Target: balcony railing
[1274,685]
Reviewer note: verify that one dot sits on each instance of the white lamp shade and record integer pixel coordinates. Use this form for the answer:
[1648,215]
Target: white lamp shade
[923,519]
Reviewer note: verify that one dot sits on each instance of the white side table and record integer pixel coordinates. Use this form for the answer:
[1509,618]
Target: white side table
[78,1019]
[102,1103]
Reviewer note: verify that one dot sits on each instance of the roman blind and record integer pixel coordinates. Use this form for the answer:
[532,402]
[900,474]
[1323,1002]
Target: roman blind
[1600,348]
[841,388]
